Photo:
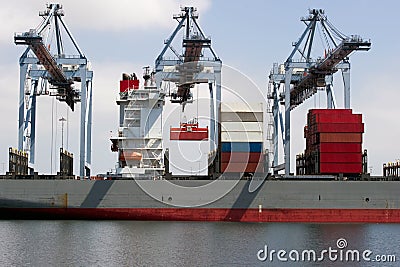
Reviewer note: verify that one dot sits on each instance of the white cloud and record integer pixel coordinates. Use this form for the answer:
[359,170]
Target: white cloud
[126,14]
[19,16]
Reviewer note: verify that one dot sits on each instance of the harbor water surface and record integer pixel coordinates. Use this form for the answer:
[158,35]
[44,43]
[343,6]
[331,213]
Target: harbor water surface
[135,243]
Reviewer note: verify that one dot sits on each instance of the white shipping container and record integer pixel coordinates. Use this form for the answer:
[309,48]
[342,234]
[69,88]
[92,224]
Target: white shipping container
[241,116]
[241,107]
[241,137]
[233,126]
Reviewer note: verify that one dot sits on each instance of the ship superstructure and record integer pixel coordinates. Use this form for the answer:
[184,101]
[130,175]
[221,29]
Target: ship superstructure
[139,138]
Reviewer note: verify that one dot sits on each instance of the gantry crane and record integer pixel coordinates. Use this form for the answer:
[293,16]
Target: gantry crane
[302,78]
[191,67]
[39,65]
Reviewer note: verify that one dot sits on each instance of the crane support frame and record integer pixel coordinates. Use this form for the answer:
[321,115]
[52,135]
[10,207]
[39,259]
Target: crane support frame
[301,79]
[188,67]
[40,69]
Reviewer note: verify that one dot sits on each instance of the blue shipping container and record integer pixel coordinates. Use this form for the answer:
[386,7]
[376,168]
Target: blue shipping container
[241,146]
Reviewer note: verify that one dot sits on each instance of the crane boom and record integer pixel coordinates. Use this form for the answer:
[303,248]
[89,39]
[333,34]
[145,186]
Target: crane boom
[57,76]
[317,72]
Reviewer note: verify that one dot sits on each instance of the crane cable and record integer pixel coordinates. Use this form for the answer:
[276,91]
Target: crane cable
[336,31]
[326,43]
[50,37]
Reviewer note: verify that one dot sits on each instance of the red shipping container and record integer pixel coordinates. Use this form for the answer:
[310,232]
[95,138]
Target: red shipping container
[339,138]
[340,147]
[338,128]
[335,168]
[329,111]
[189,136]
[253,157]
[340,157]
[313,113]
[241,167]
[338,118]
[188,132]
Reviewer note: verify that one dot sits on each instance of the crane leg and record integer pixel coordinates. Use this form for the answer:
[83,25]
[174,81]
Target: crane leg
[288,78]
[89,127]
[82,151]
[329,93]
[346,83]
[217,103]
[275,111]
[21,111]
[212,119]
[33,127]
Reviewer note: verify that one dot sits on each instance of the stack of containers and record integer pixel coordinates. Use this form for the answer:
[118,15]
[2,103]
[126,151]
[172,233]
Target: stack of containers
[241,137]
[333,142]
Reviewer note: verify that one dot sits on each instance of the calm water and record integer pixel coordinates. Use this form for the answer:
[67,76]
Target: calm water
[125,243]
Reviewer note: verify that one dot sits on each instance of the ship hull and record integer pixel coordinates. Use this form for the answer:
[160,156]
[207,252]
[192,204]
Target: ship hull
[273,201]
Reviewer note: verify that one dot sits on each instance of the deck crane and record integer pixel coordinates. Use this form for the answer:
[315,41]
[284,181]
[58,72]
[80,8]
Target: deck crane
[191,67]
[39,65]
[302,78]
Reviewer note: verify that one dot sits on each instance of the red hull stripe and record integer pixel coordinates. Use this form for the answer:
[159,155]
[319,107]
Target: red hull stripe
[210,214]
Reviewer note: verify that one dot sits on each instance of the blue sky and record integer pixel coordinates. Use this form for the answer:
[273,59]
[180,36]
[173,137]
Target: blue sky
[124,36]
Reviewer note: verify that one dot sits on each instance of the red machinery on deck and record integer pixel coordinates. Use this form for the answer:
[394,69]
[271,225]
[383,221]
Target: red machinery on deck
[128,82]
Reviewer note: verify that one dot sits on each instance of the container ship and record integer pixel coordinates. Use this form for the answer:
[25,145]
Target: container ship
[244,182]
